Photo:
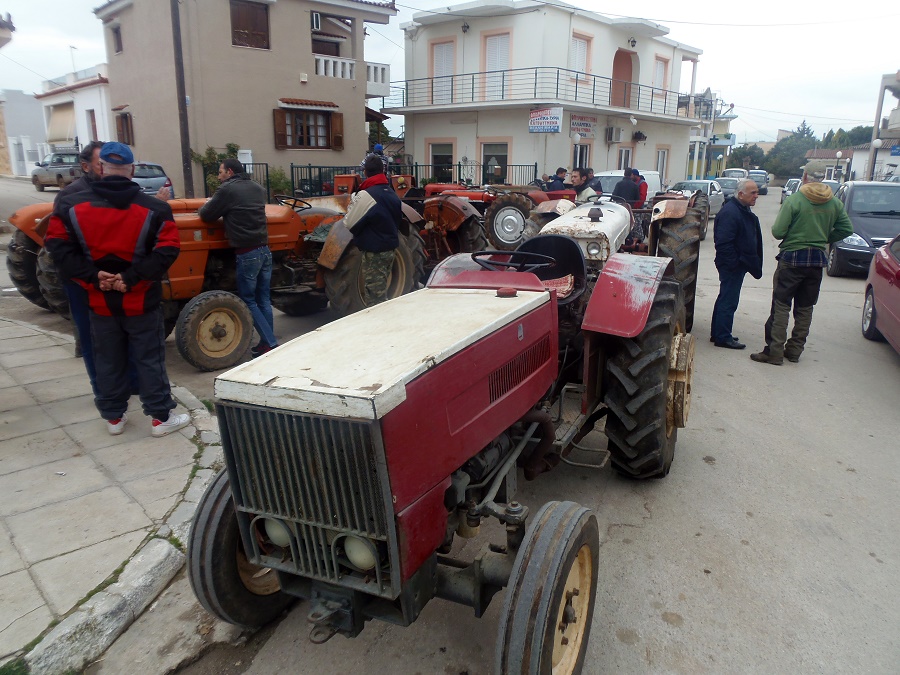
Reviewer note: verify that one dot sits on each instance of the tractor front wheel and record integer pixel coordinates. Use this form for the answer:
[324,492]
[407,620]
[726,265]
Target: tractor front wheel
[648,388]
[468,237]
[679,239]
[226,583]
[546,617]
[214,330]
[505,219]
[21,263]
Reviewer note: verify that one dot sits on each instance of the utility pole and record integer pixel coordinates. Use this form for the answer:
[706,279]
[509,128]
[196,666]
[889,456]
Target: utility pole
[186,165]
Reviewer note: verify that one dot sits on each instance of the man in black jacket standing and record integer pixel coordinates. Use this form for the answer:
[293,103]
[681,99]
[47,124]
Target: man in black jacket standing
[627,189]
[738,241]
[241,204]
[374,220]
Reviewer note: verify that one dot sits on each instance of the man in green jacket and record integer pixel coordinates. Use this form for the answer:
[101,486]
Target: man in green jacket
[809,220]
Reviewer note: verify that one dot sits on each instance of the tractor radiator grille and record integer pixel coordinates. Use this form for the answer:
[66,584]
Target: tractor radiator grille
[514,372]
[320,474]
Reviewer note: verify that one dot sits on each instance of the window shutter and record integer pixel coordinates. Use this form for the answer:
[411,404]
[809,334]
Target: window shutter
[280,129]
[120,134]
[578,55]
[337,131]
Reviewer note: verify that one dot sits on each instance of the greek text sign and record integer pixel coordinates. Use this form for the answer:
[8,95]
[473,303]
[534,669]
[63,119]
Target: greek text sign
[584,125]
[545,121]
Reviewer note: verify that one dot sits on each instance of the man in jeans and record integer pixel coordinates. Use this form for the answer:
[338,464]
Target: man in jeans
[241,204]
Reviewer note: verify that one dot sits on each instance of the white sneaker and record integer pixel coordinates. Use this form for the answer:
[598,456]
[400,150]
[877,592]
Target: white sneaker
[174,423]
[116,427]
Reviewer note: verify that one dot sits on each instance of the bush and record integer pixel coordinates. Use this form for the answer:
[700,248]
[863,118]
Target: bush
[210,161]
[279,183]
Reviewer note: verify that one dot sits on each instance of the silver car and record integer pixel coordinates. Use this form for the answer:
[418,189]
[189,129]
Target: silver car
[789,188]
[710,188]
[151,178]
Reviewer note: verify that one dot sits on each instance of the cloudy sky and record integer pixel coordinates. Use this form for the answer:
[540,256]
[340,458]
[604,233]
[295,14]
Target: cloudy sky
[778,63]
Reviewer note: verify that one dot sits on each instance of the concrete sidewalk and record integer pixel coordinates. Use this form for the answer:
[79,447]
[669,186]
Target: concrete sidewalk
[92,526]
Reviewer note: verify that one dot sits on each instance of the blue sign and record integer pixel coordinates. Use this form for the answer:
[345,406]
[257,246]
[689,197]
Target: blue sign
[895,151]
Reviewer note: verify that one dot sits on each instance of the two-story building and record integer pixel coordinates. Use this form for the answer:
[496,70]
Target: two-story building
[76,107]
[285,80]
[497,83]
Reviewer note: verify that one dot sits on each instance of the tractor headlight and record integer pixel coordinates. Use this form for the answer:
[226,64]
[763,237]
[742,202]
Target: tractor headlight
[359,553]
[593,249]
[277,532]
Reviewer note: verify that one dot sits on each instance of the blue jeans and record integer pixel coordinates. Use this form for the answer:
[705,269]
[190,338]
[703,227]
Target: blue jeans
[726,305]
[254,273]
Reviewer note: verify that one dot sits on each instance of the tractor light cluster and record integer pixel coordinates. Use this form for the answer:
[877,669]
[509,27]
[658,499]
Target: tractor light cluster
[360,553]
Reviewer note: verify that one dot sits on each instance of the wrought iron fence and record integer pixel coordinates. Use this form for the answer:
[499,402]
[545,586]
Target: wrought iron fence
[308,180]
[258,172]
[545,84]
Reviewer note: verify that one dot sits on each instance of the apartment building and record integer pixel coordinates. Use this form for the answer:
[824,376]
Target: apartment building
[504,82]
[285,79]
[76,107]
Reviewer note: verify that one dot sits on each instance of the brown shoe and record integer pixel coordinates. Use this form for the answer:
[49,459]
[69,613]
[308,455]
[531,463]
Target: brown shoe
[762,357]
[792,358]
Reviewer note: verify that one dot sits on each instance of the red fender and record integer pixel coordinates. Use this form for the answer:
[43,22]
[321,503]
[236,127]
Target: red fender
[624,293]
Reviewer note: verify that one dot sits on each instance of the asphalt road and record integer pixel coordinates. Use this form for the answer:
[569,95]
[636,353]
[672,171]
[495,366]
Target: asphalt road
[771,547]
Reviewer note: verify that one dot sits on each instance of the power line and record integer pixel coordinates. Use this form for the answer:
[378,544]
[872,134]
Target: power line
[790,114]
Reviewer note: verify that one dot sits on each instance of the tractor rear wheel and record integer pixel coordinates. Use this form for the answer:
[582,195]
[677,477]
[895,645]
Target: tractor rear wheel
[546,617]
[21,263]
[214,330]
[344,285]
[51,285]
[505,219]
[417,249]
[680,240]
[702,203]
[641,425]
[469,237]
[227,585]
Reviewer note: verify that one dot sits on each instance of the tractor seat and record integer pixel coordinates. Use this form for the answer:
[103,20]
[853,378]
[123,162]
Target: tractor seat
[569,276]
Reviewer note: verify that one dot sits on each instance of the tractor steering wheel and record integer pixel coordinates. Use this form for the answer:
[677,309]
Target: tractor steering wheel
[293,202]
[520,261]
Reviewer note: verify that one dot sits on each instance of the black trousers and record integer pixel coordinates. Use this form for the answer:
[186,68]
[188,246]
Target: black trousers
[143,338]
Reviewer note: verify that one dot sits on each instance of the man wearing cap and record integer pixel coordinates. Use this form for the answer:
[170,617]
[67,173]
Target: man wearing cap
[117,243]
[241,204]
[808,221]
[627,189]
[378,151]
[642,189]
[558,182]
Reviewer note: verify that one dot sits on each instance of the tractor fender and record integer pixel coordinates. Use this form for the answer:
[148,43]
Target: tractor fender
[445,213]
[624,293]
[32,220]
[669,208]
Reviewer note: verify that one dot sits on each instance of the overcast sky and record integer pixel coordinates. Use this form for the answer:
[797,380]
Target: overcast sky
[778,63]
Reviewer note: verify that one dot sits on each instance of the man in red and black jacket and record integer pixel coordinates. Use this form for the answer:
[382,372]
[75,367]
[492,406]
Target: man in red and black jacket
[116,244]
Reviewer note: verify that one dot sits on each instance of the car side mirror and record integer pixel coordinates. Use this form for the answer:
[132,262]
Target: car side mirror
[38,164]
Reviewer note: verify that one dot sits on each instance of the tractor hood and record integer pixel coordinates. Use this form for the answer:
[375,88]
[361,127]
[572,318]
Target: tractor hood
[598,238]
[359,366]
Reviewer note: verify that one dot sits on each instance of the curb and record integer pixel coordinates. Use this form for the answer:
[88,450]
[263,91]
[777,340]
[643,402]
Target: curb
[84,635]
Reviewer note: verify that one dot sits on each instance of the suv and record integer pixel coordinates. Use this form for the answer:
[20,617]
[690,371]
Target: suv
[57,168]
[762,180]
[874,210]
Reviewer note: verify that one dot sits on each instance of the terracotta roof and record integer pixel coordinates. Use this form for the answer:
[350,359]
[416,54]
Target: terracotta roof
[389,5]
[331,35]
[71,87]
[308,102]
[822,153]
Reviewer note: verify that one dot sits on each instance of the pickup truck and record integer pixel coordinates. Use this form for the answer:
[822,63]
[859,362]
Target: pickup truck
[58,168]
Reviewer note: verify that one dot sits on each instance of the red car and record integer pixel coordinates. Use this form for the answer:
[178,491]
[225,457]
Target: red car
[881,311]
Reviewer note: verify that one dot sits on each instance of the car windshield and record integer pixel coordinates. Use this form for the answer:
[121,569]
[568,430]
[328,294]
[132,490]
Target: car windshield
[148,171]
[728,183]
[736,173]
[876,200]
[691,185]
[792,184]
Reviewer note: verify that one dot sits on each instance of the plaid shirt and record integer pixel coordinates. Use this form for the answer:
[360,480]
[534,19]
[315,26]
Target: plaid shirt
[804,257]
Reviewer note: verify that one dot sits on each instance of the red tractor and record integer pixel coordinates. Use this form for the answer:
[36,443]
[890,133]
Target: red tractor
[348,479]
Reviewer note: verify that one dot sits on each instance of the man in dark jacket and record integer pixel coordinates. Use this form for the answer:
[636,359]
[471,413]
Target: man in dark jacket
[374,219]
[558,182]
[738,241]
[116,244]
[377,151]
[627,189]
[241,204]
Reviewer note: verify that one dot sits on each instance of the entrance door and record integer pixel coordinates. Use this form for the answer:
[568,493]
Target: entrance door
[620,89]
[494,158]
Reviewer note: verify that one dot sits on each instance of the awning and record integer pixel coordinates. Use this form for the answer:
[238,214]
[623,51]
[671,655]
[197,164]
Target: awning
[61,128]
[374,115]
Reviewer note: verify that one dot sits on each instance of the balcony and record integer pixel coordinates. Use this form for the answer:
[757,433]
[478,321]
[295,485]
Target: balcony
[332,66]
[540,85]
[378,80]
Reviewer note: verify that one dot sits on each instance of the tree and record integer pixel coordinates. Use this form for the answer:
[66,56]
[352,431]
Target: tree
[752,152]
[859,135]
[789,154]
[378,133]
[804,131]
[841,140]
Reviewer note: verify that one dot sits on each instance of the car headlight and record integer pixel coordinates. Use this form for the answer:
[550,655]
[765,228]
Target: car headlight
[854,240]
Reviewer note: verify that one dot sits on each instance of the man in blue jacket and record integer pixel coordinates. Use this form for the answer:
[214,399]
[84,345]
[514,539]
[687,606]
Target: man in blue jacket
[374,220]
[738,240]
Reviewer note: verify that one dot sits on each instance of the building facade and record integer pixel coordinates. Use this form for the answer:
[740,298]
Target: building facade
[76,108]
[285,80]
[25,135]
[882,155]
[497,84]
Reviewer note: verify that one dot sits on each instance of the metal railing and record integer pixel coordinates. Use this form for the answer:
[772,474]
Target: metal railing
[543,84]
[258,172]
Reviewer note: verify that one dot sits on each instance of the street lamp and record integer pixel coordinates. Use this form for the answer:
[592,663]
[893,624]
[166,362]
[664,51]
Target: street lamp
[837,166]
[720,163]
[876,145]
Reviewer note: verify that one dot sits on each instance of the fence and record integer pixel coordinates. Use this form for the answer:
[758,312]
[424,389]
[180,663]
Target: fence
[258,172]
[315,181]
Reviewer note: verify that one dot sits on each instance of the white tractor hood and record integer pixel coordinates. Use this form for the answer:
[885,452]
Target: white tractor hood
[358,366]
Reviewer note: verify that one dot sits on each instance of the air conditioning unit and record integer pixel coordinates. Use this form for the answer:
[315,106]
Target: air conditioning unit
[614,134]
[316,21]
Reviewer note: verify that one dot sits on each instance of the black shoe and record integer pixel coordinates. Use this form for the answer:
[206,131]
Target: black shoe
[734,344]
[712,339]
[260,349]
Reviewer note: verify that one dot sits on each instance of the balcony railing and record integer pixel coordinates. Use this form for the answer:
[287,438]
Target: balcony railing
[331,66]
[545,85]
[378,80]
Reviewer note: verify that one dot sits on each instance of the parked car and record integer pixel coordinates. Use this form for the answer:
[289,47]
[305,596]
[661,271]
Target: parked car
[728,185]
[710,188]
[789,188]
[833,184]
[151,178]
[608,180]
[56,169]
[734,173]
[874,210]
[762,180]
[881,309]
